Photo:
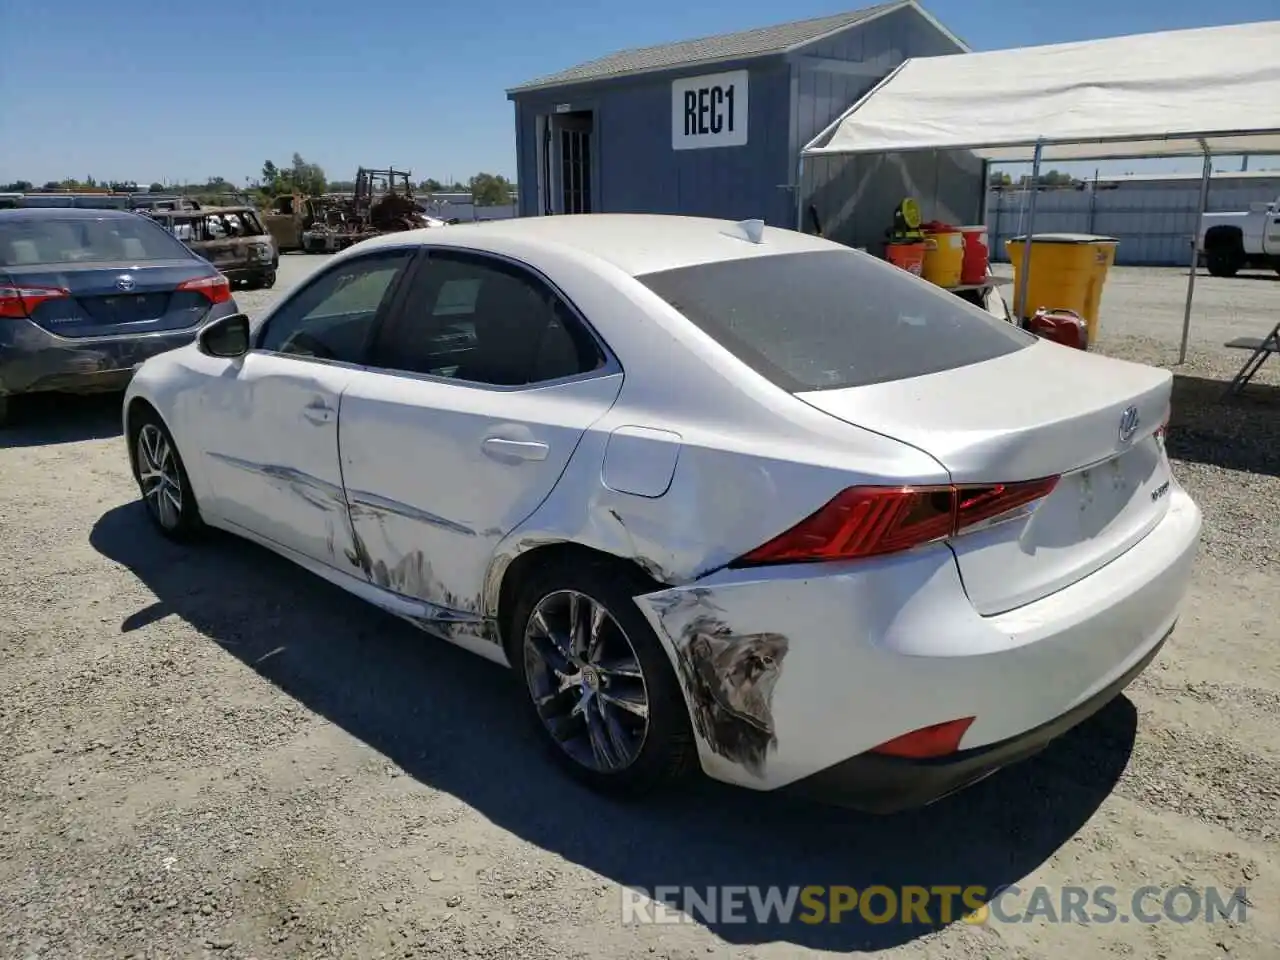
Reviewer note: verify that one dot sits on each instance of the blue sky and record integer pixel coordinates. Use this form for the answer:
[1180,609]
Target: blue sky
[174,90]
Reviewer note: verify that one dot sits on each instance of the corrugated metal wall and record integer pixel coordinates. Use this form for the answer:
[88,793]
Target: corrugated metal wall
[1153,220]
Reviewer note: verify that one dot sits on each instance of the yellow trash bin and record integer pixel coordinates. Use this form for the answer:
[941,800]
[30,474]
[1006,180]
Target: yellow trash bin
[1068,271]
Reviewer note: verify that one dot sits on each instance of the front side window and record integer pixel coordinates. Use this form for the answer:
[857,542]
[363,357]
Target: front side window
[825,320]
[484,320]
[332,317]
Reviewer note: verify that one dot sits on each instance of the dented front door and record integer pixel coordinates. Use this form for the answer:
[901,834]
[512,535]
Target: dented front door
[271,452]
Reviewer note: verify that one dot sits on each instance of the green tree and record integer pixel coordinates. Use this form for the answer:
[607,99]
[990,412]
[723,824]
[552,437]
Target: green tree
[270,173]
[490,189]
[307,177]
[431,185]
[157,188]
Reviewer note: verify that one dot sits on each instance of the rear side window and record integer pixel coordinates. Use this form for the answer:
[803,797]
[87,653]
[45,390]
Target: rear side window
[85,240]
[830,319]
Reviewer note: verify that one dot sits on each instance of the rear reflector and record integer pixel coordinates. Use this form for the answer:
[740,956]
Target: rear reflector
[217,288]
[873,521]
[18,303]
[937,740]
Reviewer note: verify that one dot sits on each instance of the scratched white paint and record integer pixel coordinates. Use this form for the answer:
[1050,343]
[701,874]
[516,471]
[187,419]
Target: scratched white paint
[402,497]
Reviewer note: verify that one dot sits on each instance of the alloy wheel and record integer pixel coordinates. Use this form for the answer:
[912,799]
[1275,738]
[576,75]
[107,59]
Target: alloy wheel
[586,681]
[158,476]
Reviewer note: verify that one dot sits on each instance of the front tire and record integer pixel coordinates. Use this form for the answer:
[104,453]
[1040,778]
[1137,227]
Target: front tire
[162,478]
[598,684]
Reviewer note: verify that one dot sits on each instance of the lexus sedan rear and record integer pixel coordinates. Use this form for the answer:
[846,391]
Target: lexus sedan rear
[88,295]
[724,496]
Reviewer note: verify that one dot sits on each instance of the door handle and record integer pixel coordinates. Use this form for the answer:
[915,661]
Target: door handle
[319,413]
[502,449]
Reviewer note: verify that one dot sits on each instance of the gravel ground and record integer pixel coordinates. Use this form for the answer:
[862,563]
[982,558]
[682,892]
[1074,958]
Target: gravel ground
[207,752]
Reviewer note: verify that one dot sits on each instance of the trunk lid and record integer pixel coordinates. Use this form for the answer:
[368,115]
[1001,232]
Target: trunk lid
[109,299]
[1046,410]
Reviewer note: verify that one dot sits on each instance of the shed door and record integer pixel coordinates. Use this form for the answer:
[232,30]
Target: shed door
[568,152]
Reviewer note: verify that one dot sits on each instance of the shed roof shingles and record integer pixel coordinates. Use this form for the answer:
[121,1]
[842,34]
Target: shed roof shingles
[761,41]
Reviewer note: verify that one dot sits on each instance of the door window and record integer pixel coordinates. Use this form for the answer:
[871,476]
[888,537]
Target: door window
[333,317]
[483,320]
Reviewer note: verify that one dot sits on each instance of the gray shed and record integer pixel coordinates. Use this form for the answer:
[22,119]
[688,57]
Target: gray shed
[714,126]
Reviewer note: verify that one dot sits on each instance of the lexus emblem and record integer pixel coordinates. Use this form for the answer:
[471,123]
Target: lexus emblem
[125,283]
[1128,424]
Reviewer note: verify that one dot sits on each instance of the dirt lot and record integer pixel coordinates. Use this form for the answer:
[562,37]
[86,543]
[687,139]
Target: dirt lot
[207,752]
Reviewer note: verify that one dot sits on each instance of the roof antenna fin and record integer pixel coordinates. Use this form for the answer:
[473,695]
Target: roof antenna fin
[750,230]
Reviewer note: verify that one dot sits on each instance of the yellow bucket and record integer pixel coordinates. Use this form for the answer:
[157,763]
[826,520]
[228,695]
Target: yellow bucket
[1068,272]
[943,258]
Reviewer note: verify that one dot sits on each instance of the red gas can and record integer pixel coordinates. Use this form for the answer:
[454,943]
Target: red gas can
[976,255]
[1061,326]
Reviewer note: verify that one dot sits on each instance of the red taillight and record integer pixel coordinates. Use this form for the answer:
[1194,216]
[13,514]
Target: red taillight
[18,303]
[978,504]
[872,521]
[937,740]
[217,289]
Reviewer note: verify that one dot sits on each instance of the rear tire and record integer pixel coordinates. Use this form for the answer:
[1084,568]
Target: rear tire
[612,713]
[5,410]
[162,478]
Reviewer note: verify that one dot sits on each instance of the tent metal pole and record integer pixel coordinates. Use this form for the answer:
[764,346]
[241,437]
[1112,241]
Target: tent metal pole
[800,194]
[1195,251]
[1019,303]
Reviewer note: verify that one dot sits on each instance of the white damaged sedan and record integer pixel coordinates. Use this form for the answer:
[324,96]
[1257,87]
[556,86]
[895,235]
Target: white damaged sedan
[724,496]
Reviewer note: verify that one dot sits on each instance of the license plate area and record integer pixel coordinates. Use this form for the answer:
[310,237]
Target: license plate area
[1128,488]
[126,308]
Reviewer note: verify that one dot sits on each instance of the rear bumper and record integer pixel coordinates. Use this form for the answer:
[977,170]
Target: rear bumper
[248,271]
[878,784]
[34,360]
[858,654]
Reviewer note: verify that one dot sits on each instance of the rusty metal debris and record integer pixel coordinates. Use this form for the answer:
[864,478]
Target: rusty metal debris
[382,202]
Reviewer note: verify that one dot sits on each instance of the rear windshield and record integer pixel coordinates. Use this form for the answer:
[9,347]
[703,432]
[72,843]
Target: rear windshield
[84,240]
[825,320]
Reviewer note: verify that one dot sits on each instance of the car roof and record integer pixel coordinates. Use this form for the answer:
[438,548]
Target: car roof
[65,213]
[635,243]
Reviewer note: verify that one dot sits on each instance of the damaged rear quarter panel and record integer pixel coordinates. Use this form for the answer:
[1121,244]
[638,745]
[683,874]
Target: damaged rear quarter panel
[787,670]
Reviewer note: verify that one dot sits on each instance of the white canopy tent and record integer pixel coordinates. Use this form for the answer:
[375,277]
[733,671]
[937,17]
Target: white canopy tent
[1179,93]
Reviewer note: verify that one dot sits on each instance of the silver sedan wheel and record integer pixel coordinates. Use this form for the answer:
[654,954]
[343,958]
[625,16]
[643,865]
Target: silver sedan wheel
[158,476]
[586,681]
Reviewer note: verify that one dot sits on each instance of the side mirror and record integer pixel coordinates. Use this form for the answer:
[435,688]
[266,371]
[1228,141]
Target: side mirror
[227,337]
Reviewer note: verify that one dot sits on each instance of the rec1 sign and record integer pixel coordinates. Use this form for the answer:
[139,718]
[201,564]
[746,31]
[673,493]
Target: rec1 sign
[709,111]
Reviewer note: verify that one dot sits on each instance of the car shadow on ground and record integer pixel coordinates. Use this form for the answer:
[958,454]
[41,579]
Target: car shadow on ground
[452,720]
[45,419]
[1237,433]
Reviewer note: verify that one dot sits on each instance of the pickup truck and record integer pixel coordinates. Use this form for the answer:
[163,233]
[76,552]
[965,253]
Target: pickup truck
[1229,242]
